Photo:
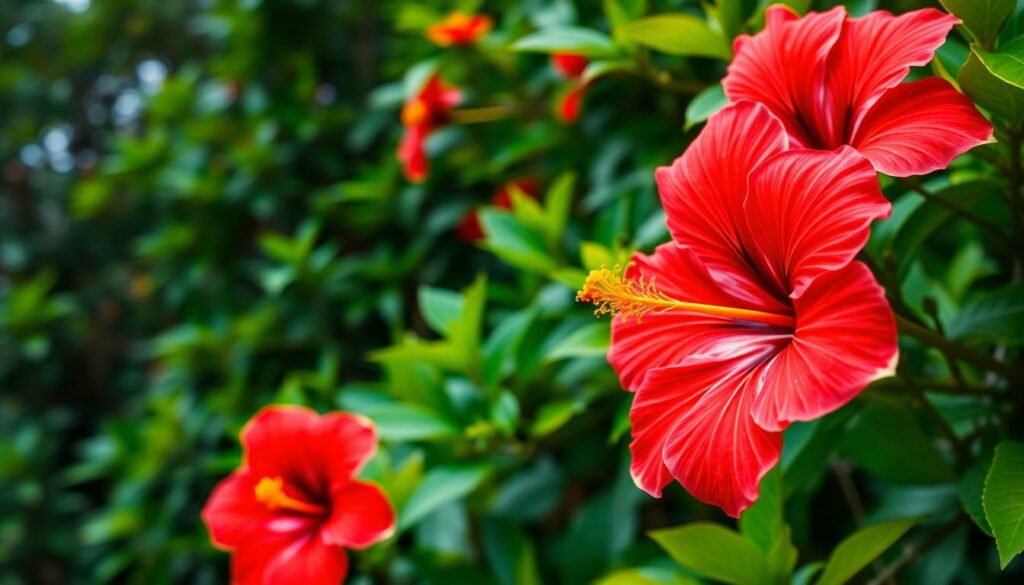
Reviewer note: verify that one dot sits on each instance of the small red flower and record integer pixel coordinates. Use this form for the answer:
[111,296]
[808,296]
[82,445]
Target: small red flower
[459,29]
[846,87]
[294,506]
[422,114]
[570,65]
[571,103]
[470,230]
[755,316]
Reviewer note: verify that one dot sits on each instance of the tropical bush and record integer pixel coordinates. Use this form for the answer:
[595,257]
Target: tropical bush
[399,215]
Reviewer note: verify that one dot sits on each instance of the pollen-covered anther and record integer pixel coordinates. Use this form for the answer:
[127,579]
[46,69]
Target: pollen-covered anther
[270,492]
[615,294]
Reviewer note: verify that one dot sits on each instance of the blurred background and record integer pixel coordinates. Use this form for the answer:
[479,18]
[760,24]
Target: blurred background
[201,213]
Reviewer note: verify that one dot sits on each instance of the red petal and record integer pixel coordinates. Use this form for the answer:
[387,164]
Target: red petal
[919,127]
[309,452]
[310,561]
[570,65]
[362,515]
[876,52]
[668,338]
[783,67]
[845,339]
[234,517]
[809,212]
[693,422]
[703,190]
[570,104]
[412,154]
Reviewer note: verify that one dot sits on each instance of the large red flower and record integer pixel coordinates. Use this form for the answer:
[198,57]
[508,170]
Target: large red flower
[460,29]
[755,316]
[835,80]
[294,506]
[423,113]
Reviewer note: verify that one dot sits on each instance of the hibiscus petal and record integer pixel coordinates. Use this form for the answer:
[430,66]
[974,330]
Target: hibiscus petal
[234,516]
[362,515]
[809,212]
[845,339]
[667,338]
[783,67]
[344,444]
[412,154]
[704,188]
[876,52]
[309,561]
[919,127]
[693,422]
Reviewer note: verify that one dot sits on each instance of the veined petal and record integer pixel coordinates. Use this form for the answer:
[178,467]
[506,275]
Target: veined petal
[703,190]
[784,68]
[919,127]
[875,53]
[667,338]
[845,339]
[362,515]
[699,414]
[808,212]
[310,561]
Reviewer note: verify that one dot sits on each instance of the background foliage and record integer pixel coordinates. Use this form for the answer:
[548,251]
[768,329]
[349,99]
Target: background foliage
[201,214]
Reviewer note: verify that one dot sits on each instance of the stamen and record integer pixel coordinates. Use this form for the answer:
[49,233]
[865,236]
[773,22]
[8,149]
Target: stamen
[613,294]
[270,491]
[415,112]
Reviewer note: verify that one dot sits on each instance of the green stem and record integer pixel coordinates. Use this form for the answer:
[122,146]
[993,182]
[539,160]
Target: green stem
[965,354]
[481,115]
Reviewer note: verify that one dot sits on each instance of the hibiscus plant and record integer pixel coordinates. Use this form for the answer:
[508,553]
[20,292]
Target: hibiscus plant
[630,292]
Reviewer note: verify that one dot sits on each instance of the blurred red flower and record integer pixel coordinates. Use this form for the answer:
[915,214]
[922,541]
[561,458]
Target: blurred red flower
[755,316]
[570,65]
[424,112]
[835,80]
[294,506]
[459,29]
[470,230]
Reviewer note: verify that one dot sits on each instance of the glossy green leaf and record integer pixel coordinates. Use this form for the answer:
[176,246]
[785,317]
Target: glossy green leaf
[1001,99]
[568,39]
[984,18]
[515,243]
[856,551]
[406,422]
[441,308]
[440,486]
[972,486]
[679,34]
[997,316]
[1003,500]
[1007,63]
[591,340]
[715,552]
[704,105]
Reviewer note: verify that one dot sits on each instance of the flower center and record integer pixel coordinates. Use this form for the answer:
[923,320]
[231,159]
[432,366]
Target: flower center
[415,112]
[613,294]
[270,491]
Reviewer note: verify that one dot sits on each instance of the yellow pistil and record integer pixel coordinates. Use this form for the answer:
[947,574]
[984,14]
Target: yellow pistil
[613,294]
[270,491]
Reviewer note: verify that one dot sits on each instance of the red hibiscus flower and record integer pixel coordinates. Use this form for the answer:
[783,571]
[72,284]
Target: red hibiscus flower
[569,104]
[422,114]
[755,316]
[459,29]
[570,65]
[470,230]
[846,87]
[294,506]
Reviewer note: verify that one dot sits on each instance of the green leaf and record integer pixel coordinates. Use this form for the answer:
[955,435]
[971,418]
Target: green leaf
[885,423]
[514,243]
[554,415]
[1002,100]
[604,67]
[645,576]
[557,204]
[1003,500]
[1007,63]
[997,316]
[406,422]
[704,105]
[984,18]
[806,448]
[440,486]
[764,524]
[715,552]
[731,15]
[441,308]
[972,485]
[591,340]
[570,39]
[862,547]
[679,34]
